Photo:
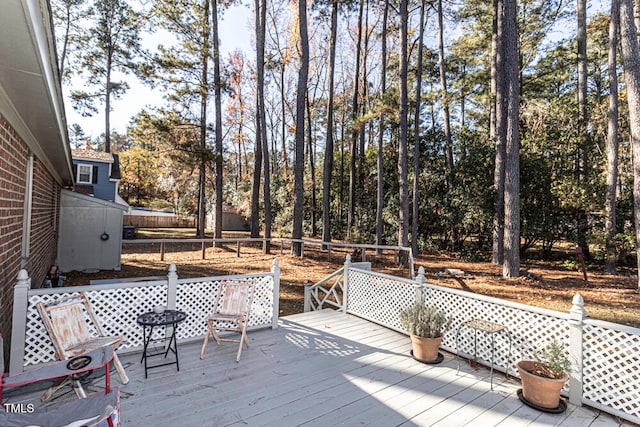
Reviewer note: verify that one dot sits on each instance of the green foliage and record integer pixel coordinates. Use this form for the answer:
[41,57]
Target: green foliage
[453,214]
[108,46]
[553,361]
[571,264]
[424,321]
[542,217]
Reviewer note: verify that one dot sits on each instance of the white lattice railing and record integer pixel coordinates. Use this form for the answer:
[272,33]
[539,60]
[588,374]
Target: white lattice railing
[605,356]
[329,291]
[118,305]
[611,368]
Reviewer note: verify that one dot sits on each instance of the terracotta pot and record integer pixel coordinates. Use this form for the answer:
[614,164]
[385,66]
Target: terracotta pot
[425,349]
[540,391]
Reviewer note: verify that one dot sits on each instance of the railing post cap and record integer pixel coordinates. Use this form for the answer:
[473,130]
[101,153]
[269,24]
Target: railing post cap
[275,262]
[22,275]
[578,300]
[420,271]
[577,311]
[348,260]
[172,268]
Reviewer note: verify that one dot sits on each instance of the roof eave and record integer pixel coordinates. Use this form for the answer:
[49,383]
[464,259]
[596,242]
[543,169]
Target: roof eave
[30,91]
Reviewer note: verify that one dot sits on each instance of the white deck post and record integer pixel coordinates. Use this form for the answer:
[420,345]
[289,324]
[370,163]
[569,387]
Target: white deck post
[172,287]
[172,296]
[345,290]
[275,269]
[19,321]
[307,297]
[577,313]
[420,287]
[411,266]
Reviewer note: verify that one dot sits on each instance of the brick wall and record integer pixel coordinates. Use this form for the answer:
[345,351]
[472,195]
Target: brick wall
[13,165]
[44,224]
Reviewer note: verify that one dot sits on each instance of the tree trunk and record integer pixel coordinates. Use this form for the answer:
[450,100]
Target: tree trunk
[204,95]
[107,106]
[65,37]
[298,184]
[583,136]
[511,266]
[328,149]
[285,155]
[380,165]
[612,142]
[363,103]
[416,137]
[631,61]
[354,131]
[312,170]
[445,97]
[261,117]
[498,131]
[341,186]
[257,149]
[218,103]
[403,197]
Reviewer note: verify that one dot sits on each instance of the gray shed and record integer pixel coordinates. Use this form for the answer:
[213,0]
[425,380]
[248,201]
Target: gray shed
[90,233]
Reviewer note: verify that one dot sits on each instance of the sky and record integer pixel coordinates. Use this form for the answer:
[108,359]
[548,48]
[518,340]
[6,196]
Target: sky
[235,33]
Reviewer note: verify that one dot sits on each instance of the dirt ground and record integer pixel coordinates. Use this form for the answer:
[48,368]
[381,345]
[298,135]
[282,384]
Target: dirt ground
[544,283]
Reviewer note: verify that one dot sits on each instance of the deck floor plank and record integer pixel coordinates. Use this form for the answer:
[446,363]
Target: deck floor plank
[326,368]
[322,369]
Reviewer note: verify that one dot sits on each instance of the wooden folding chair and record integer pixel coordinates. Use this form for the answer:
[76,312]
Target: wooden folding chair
[232,308]
[67,322]
[94,410]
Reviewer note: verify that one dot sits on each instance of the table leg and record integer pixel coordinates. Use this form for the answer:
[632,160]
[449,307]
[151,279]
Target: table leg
[147,338]
[175,345]
[173,340]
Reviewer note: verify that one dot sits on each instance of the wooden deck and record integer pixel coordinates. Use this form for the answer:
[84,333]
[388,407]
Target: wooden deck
[321,369]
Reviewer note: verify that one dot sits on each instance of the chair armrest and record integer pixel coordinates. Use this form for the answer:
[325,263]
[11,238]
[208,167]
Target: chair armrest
[85,362]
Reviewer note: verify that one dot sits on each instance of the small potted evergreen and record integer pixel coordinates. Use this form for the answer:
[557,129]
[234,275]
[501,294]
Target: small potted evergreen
[543,378]
[425,325]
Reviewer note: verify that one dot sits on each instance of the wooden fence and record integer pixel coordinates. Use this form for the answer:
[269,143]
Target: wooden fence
[159,221]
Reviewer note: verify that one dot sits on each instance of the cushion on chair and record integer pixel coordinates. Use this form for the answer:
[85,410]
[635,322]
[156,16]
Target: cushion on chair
[90,411]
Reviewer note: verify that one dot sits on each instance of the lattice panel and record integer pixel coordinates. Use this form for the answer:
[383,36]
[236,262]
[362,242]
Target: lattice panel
[197,299]
[379,298]
[610,374]
[117,310]
[529,330]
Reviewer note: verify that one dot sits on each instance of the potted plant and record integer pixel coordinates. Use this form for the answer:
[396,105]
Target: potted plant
[425,325]
[543,378]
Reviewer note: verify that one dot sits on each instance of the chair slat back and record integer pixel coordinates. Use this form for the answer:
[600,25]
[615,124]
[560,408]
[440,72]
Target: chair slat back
[236,300]
[69,324]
